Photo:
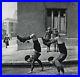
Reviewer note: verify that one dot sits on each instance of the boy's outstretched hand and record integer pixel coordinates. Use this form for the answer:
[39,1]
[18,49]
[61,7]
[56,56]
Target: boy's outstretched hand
[21,39]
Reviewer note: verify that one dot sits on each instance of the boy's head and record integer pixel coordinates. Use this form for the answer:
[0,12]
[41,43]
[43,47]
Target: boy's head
[49,28]
[50,59]
[27,58]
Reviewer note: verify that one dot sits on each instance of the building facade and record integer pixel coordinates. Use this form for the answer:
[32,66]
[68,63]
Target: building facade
[35,17]
[9,27]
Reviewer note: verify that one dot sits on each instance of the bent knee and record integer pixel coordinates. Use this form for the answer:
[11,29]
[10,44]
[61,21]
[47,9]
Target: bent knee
[57,63]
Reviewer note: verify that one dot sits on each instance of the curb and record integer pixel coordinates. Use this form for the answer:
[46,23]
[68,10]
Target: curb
[25,64]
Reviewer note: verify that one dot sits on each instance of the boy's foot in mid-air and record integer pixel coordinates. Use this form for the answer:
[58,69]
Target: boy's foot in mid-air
[30,72]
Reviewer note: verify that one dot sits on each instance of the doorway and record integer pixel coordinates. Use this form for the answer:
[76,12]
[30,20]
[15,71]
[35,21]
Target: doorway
[56,18]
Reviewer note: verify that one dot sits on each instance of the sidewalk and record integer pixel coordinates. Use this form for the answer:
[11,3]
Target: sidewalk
[13,62]
[19,70]
[11,55]
[14,57]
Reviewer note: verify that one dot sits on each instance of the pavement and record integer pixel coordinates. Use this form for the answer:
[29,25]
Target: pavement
[13,60]
[69,70]
[12,55]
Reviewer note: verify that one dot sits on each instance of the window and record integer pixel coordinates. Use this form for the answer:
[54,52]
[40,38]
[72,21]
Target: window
[56,18]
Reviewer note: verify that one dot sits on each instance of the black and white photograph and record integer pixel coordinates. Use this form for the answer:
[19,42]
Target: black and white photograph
[39,38]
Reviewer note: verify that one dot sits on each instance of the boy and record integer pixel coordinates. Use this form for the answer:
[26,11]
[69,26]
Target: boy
[63,54]
[36,47]
[47,38]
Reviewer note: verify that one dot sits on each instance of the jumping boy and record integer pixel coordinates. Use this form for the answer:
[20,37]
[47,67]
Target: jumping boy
[36,47]
[63,54]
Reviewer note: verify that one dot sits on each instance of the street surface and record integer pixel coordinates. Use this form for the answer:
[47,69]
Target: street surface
[69,70]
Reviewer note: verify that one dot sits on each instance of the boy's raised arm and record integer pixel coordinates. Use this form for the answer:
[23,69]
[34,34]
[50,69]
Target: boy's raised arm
[23,39]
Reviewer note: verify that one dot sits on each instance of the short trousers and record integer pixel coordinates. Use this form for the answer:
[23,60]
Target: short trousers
[61,57]
[36,55]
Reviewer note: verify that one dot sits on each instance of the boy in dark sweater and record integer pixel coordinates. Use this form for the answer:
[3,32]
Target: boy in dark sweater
[63,53]
[36,47]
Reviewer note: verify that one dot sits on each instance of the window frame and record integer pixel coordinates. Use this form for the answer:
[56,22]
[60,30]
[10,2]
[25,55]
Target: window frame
[65,9]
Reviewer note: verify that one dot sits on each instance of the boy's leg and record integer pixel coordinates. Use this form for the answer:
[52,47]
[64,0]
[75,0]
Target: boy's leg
[58,62]
[6,45]
[32,65]
[62,69]
[48,48]
[40,63]
[58,65]
[36,56]
[54,47]
[58,69]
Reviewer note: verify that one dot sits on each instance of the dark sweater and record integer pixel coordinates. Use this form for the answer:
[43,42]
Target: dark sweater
[36,46]
[62,48]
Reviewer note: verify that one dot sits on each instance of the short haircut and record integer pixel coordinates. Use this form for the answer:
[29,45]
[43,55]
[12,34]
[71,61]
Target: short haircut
[50,58]
[27,57]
